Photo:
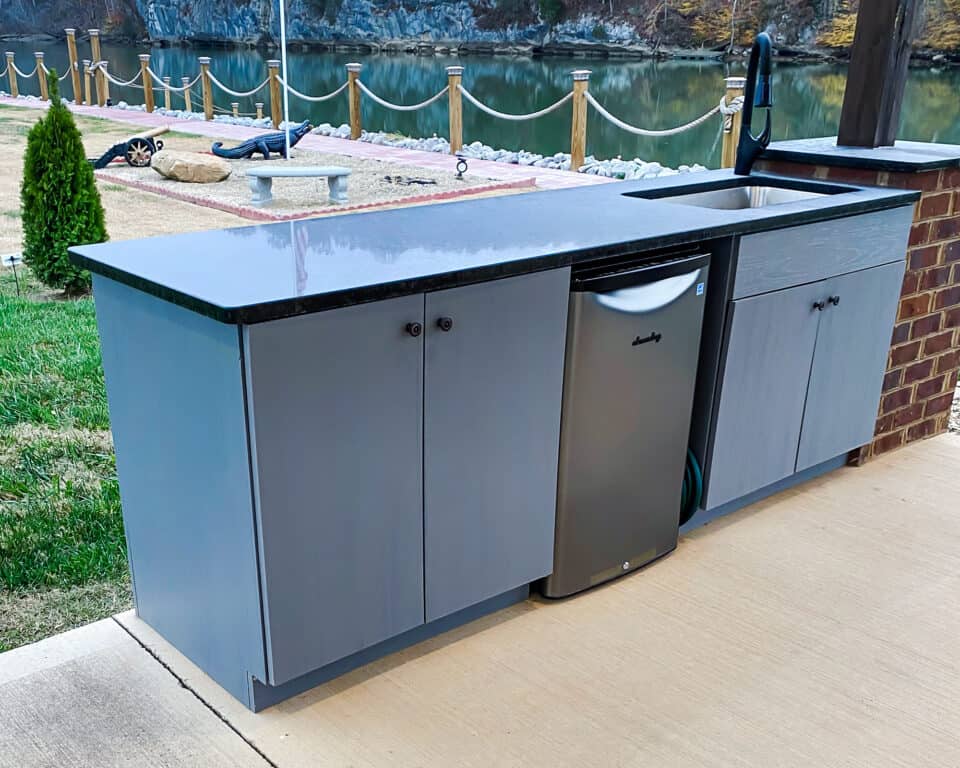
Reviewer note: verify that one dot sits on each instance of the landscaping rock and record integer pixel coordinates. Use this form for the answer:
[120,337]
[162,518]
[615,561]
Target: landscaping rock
[190,167]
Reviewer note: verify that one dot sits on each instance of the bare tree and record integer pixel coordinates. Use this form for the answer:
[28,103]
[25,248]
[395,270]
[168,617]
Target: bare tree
[733,24]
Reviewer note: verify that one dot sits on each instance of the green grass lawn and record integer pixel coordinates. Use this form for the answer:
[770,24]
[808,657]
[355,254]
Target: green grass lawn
[62,551]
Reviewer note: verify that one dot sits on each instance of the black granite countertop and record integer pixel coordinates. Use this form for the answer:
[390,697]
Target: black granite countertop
[903,156]
[264,272]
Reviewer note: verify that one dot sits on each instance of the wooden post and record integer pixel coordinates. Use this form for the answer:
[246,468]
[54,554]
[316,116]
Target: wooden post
[353,74]
[732,123]
[12,75]
[578,127]
[42,76]
[88,94]
[259,110]
[877,73]
[74,69]
[147,81]
[98,77]
[166,92]
[206,87]
[187,105]
[276,101]
[235,108]
[454,77]
[106,82]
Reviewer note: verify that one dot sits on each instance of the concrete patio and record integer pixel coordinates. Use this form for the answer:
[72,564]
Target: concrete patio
[818,628]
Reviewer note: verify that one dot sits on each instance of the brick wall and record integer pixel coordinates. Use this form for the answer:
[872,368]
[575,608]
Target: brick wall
[921,377]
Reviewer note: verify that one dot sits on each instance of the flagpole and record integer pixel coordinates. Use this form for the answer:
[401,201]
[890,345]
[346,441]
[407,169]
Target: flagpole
[283,67]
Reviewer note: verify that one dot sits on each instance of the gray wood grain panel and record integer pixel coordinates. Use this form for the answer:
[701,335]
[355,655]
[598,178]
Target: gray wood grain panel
[770,261]
[849,362]
[175,390]
[491,435]
[336,410]
[766,367]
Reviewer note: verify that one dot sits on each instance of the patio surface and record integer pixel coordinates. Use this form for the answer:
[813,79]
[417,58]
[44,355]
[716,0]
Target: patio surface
[818,628]
[546,178]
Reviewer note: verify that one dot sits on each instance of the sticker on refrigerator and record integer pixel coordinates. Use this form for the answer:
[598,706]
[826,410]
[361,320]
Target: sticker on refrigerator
[700,289]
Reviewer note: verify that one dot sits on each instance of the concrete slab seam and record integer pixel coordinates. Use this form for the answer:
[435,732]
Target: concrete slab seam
[183,684]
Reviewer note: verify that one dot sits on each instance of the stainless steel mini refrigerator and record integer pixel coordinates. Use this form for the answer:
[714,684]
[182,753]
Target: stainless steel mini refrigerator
[633,341]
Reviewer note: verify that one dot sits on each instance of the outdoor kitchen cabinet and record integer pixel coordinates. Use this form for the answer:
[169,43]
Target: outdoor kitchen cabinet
[802,373]
[404,458]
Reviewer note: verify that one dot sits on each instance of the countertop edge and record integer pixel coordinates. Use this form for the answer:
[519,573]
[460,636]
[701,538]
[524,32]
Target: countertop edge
[292,307]
[857,163]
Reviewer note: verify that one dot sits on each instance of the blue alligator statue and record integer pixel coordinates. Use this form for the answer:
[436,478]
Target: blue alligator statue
[265,144]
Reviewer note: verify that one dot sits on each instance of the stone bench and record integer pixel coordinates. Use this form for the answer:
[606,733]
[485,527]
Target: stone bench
[261,180]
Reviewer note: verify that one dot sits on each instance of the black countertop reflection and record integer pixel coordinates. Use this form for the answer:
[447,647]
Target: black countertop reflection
[269,271]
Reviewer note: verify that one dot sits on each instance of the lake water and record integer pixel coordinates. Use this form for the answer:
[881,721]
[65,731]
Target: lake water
[647,93]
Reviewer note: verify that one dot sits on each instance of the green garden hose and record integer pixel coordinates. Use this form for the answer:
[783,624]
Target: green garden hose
[692,490]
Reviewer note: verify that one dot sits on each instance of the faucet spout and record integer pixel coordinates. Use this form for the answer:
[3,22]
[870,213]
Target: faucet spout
[758,93]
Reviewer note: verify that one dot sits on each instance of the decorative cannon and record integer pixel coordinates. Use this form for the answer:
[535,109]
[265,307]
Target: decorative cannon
[137,150]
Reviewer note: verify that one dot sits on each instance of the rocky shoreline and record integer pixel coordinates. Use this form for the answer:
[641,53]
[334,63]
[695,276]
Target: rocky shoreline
[614,168]
[585,49]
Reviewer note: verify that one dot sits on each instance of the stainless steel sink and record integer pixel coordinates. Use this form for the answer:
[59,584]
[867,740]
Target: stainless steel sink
[746,196]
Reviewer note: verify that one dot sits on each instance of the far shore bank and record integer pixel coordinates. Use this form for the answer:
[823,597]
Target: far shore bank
[579,49]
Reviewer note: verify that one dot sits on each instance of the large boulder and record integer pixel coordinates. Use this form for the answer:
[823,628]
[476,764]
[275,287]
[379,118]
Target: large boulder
[190,166]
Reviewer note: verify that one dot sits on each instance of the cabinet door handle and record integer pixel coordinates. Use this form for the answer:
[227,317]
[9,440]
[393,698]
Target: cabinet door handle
[833,300]
[414,329]
[445,323]
[819,305]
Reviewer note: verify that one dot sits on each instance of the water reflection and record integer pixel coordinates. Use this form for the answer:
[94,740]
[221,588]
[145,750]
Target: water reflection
[648,93]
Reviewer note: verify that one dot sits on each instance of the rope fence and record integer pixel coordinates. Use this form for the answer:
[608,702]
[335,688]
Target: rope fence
[580,98]
[397,107]
[315,99]
[517,118]
[236,94]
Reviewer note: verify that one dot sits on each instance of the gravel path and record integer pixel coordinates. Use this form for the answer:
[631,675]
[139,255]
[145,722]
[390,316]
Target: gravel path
[955,411]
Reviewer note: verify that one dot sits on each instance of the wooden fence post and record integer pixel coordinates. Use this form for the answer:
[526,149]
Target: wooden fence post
[206,87]
[578,126]
[187,105]
[106,82]
[276,101]
[88,93]
[259,110]
[235,108]
[732,123]
[74,69]
[166,92]
[454,77]
[147,81]
[12,75]
[98,77]
[42,76]
[353,74]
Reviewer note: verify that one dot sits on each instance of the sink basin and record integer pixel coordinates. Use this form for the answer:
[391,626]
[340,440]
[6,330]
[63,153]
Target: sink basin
[739,198]
[742,194]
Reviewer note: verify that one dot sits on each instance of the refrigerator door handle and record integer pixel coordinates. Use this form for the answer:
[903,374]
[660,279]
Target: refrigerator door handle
[649,297]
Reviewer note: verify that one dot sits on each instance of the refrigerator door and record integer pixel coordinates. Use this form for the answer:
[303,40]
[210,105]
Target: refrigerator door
[628,393]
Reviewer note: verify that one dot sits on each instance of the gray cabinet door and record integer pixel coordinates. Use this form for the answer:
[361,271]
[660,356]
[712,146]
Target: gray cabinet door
[768,353]
[492,391]
[848,365]
[335,409]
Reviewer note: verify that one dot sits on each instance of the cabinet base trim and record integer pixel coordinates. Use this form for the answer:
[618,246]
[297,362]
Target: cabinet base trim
[703,517]
[263,696]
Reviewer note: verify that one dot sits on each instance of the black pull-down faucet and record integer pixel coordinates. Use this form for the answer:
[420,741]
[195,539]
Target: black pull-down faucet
[758,93]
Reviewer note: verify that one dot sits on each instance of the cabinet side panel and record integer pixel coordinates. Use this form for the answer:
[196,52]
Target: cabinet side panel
[492,402]
[769,350]
[851,356]
[175,391]
[336,403]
